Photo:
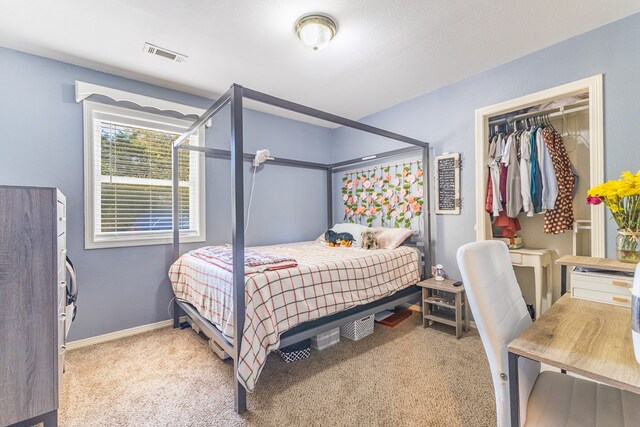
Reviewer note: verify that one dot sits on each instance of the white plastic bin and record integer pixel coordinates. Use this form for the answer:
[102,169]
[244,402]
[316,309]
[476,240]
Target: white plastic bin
[326,339]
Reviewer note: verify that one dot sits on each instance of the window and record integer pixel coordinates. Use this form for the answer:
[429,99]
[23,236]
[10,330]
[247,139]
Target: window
[128,191]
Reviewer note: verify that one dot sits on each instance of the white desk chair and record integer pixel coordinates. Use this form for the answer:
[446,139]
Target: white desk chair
[548,398]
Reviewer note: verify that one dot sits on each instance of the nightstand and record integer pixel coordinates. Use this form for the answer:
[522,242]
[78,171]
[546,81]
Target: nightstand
[456,302]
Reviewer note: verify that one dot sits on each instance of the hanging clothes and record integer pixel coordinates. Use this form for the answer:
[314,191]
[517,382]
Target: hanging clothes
[509,225]
[547,172]
[513,200]
[525,172]
[488,204]
[560,218]
[529,171]
[536,179]
[494,170]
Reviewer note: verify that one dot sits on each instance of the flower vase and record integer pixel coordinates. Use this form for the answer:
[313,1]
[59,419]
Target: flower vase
[635,314]
[627,246]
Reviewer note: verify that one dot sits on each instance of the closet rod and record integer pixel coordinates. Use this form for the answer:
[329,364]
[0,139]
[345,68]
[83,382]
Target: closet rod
[555,112]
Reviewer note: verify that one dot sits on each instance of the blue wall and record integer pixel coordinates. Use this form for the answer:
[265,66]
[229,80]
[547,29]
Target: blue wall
[42,145]
[445,117]
[126,287]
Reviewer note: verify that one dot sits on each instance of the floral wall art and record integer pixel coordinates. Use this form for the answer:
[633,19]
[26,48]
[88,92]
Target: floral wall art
[388,195]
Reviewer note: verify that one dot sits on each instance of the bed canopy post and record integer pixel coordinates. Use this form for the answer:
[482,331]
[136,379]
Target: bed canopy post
[426,214]
[175,206]
[329,197]
[237,239]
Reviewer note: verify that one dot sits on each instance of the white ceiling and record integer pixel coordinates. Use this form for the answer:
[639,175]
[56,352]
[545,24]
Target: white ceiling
[385,51]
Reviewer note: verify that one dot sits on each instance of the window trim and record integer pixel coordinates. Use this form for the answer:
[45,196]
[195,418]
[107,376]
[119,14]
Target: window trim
[93,110]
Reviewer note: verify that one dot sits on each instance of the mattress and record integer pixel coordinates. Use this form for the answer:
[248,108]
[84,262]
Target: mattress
[327,280]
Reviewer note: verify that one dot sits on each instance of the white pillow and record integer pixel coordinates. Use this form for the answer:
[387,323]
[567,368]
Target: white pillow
[354,229]
[391,238]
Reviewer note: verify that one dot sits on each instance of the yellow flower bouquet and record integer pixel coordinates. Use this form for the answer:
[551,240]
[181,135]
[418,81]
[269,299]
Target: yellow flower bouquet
[622,197]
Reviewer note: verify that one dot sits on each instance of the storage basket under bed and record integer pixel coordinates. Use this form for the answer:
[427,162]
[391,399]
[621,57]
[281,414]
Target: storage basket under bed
[358,329]
[294,352]
[326,339]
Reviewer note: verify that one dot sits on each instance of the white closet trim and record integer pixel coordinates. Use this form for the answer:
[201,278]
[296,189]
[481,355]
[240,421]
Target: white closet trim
[592,86]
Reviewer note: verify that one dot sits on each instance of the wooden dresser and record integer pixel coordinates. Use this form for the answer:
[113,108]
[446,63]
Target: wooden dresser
[32,303]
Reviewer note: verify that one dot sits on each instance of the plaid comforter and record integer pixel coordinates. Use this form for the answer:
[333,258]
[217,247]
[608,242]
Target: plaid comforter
[327,280]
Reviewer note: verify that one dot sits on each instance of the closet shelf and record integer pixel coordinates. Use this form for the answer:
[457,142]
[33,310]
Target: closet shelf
[552,112]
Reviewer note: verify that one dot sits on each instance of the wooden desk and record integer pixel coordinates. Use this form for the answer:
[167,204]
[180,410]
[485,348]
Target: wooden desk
[539,260]
[590,262]
[584,337]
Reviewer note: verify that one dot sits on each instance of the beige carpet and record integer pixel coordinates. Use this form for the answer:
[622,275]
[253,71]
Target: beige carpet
[405,375]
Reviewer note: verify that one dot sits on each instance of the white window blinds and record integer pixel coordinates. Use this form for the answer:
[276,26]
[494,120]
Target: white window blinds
[131,180]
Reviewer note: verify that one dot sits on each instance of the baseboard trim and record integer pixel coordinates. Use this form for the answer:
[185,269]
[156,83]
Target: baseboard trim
[111,336]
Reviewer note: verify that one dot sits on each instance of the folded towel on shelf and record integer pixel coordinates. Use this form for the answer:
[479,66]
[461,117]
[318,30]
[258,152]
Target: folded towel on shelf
[254,261]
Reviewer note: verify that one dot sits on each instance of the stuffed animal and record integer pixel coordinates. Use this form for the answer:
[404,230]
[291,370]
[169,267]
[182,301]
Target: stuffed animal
[369,240]
[338,239]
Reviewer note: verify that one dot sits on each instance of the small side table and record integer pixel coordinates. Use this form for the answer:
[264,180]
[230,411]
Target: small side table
[458,304]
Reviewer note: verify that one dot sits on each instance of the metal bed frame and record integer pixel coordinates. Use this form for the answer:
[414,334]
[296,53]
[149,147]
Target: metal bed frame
[235,96]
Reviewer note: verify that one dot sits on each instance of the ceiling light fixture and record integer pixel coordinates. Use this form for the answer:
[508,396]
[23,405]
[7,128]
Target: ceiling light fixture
[316,31]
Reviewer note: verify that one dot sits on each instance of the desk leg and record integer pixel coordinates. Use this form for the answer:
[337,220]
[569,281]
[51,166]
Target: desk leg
[514,392]
[563,280]
[549,286]
[458,315]
[537,271]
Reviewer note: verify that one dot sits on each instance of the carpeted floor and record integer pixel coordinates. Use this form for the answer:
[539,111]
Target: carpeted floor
[405,375]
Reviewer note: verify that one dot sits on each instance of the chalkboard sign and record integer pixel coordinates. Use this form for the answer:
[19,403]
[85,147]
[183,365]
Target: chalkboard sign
[448,184]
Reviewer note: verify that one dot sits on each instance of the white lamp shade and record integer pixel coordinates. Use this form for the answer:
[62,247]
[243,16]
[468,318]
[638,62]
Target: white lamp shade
[316,31]
[315,35]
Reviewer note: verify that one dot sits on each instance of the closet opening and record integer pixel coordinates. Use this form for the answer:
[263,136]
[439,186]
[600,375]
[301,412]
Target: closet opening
[536,157]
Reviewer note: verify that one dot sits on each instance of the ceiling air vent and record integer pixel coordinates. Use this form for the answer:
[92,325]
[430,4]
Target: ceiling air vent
[165,53]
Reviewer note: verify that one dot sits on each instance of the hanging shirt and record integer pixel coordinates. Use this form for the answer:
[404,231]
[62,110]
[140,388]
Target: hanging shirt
[536,179]
[494,169]
[510,160]
[547,172]
[525,172]
[488,204]
[560,218]
[509,226]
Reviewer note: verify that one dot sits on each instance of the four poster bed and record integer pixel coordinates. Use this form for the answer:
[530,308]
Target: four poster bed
[247,315]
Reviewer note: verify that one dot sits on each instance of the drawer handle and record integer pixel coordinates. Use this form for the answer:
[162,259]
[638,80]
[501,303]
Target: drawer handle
[62,218]
[63,316]
[620,283]
[63,251]
[63,284]
[618,299]
[63,349]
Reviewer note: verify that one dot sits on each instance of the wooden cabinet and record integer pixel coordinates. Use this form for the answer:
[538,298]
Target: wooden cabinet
[32,303]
